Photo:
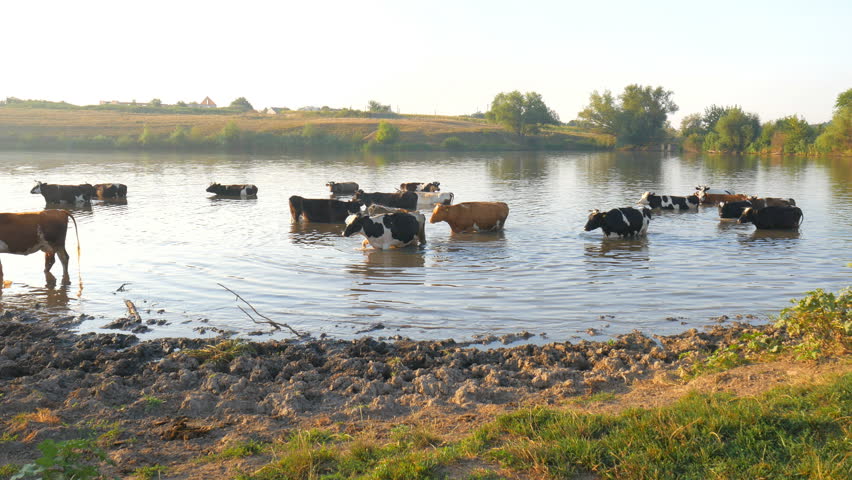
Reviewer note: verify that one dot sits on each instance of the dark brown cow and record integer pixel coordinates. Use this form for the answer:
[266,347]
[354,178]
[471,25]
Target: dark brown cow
[322,210]
[111,191]
[26,233]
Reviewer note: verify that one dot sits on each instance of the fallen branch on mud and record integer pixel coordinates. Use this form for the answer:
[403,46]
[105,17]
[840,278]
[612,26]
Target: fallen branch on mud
[275,325]
[131,310]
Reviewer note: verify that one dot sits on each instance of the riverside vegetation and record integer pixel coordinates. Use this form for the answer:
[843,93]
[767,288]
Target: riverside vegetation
[734,401]
[638,118]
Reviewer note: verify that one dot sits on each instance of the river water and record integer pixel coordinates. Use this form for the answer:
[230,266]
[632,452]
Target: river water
[171,245]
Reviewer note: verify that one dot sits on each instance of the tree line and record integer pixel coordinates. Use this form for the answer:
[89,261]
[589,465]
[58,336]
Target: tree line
[639,117]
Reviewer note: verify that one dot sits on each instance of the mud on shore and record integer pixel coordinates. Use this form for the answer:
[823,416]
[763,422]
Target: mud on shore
[167,401]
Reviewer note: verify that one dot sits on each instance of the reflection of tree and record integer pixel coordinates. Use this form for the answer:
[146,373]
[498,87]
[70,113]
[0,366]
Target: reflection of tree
[615,169]
[840,172]
[520,166]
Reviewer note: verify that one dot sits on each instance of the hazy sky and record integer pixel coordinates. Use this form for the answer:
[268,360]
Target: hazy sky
[774,58]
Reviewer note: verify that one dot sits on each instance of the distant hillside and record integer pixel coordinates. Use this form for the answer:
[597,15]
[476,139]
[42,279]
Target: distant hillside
[82,128]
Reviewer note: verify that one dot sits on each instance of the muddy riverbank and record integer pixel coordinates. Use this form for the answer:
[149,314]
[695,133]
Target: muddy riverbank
[169,401]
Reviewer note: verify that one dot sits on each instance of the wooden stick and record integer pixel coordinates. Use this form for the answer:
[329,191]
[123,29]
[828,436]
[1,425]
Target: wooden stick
[132,310]
[275,325]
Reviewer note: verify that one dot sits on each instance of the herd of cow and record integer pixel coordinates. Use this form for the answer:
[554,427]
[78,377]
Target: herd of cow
[393,220]
[764,213]
[386,220]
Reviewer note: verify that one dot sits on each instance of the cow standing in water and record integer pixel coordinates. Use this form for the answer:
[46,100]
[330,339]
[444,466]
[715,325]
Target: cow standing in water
[773,218]
[388,230]
[111,191]
[26,233]
[668,202]
[420,187]
[242,191]
[322,210]
[55,194]
[472,216]
[620,222]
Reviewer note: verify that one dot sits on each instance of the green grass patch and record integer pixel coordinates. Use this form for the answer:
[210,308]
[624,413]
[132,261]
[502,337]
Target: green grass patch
[237,450]
[150,472]
[801,432]
[787,433]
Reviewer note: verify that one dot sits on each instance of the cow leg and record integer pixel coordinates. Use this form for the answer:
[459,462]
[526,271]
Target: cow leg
[49,260]
[63,257]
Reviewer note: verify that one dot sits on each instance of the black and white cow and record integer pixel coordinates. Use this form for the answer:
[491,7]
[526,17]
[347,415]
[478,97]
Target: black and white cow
[388,230]
[668,202]
[772,218]
[243,191]
[342,188]
[73,194]
[406,200]
[420,187]
[733,209]
[620,222]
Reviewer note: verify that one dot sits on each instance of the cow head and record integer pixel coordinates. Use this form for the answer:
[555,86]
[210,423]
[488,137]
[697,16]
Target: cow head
[645,200]
[214,188]
[747,216]
[354,224]
[37,189]
[330,184]
[702,192]
[439,214]
[596,220]
[432,187]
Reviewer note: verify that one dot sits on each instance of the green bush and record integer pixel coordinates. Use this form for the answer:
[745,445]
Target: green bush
[69,459]
[822,321]
[453,143]
[387,133]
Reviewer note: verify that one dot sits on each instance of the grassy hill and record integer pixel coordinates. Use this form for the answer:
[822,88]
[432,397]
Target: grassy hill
[91,128]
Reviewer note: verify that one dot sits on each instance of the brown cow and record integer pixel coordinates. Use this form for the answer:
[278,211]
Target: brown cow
[758,203]
[707,195]
[472,216]
[26,233]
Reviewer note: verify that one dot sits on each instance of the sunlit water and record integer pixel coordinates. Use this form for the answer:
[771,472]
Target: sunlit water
[172,245]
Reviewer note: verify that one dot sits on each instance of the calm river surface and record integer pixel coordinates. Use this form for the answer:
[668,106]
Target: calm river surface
[172,244]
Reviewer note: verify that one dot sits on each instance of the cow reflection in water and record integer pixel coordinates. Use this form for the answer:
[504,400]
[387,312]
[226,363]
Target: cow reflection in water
[403,264]
[324,234]
[617,252]
[785,239]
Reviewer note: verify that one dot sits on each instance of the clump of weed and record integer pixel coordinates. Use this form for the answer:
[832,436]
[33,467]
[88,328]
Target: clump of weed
[821,322]
[77,459]
[152,402]
[222,353]
[237,450]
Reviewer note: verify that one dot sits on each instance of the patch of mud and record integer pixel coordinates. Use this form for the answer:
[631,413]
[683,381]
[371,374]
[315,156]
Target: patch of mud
[153,392]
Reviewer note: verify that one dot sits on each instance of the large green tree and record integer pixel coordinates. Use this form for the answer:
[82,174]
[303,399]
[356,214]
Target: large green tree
[638,117]
[521,113]
[736,129]
[837,136]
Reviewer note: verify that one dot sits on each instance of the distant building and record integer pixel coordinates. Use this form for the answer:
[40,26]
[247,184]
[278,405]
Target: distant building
[310,109]
[275,110]
[208,103]
[116,102]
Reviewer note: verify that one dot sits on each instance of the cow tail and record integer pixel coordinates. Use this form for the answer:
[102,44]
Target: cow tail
[77,234]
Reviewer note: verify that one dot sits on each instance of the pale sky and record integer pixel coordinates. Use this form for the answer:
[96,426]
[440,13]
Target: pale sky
[774,58]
